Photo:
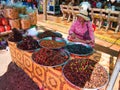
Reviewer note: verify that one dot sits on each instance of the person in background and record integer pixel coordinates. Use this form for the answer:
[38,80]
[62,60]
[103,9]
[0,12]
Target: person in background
[113,5]
[30,3]
[93,3]
[72,3]
[108,5]
[35,3]
[81,30]
[63,2]
[99,4]
[24,2]
[85,5]
[104,5]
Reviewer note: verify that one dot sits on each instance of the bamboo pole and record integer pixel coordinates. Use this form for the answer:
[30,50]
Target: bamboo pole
[114,74]
[45,9]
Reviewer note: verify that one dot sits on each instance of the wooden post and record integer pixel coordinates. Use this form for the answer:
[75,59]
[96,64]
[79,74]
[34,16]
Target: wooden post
[114,74]
[118,24]
[45,9]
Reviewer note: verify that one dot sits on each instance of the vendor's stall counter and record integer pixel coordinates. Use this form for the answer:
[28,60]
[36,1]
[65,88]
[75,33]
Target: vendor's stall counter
[45,77]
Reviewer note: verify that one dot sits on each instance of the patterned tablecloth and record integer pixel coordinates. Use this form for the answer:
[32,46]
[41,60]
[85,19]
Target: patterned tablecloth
[47,77]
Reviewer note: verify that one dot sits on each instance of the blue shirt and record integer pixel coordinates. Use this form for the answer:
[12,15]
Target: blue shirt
[98,4]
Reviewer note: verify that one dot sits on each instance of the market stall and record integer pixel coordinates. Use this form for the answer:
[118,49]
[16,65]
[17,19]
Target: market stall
[15,15]
[48,78]
[45,76]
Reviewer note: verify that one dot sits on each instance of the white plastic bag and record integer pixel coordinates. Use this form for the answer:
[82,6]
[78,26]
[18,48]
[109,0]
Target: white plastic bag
[32,32]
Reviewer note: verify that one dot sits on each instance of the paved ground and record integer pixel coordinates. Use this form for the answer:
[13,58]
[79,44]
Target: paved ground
[5,59]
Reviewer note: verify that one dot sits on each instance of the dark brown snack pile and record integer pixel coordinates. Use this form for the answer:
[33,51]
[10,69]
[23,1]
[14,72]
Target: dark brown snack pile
[49,33]
[15,36]
[28,43]
[85,73]
[49,57]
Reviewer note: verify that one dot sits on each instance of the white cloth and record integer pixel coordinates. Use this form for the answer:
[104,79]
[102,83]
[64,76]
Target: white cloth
[85,5]
[32,31]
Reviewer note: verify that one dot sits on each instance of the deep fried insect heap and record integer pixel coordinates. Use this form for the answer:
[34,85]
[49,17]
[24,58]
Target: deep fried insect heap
[85,73]
[49,33]
[52,44]
[15,36]
[49,57]
[28,43]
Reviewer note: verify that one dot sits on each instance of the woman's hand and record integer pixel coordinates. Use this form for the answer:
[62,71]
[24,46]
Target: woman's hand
[73,36]
[83,41]
[88,41]
[79,40]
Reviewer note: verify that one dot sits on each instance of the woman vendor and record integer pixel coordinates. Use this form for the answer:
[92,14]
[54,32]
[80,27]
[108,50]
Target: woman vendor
[81,30]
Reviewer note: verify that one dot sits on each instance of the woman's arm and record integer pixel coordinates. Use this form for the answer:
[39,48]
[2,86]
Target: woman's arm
[83,41]
[91,34]
[72,28]
[71,35]
[71,31]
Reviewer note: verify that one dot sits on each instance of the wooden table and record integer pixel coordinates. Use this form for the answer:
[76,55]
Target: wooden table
[45,77]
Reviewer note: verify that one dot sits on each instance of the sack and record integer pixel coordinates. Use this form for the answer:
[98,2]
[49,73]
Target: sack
[15,23]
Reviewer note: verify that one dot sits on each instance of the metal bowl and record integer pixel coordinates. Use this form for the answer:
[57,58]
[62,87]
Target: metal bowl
[32,50]
[57,39]
[57,33]
[81,54]
[97,88]
[63,52]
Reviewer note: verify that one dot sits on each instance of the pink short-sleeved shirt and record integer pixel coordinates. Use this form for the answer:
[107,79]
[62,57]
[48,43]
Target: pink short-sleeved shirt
[80,30]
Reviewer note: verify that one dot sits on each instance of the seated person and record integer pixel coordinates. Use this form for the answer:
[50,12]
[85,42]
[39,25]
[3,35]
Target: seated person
[81,30]
[99,4]
[63,2]
[72,3]
[85,5]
